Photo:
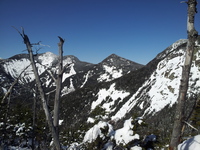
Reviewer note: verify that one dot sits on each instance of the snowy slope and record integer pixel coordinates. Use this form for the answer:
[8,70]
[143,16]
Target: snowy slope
[190,144]
[110,92]
[159,90]
[77,74]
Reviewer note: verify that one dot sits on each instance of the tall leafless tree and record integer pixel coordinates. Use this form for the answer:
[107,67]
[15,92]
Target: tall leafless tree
[58,86]
[179,114]
[49,118]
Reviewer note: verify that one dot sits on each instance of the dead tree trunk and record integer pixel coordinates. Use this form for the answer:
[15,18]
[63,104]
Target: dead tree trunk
[58,86]
[179,114]
[49,119]
[34,117]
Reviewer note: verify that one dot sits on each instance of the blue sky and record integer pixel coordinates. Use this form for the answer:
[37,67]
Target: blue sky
[93,29]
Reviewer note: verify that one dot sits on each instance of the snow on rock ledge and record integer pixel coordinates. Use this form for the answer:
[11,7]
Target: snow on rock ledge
[125,134]
[190,144]
[92,134]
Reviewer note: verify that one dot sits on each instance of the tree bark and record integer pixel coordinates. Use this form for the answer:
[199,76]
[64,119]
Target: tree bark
[41,91]
[58,86]
[34,116]
[179,114]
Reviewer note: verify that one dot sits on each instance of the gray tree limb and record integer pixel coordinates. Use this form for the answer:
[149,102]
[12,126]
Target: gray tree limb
[49,119]
[58,86]
[179,114]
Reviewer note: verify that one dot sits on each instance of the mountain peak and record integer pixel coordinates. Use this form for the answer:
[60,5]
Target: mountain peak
[113,56]
[171,48]
[115,60]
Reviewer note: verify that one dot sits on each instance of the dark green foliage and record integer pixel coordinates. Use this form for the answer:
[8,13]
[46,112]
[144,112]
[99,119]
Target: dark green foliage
[98,113]
[16,122]
[195,118]
[17,127]
[95,145]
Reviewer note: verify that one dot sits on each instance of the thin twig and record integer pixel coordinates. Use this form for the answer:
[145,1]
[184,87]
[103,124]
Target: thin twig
[191,126]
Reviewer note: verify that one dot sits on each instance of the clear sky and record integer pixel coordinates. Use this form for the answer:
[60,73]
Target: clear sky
[93,29]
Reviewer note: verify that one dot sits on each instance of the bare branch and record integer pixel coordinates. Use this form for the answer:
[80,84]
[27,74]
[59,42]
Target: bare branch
[183,2]
[65,67]
[61,39]
[44,45]
[49,118]
[38,43]
[48,71]
[18,31]
[191,126]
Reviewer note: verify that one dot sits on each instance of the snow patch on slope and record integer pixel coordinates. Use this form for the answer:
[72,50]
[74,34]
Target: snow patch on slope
[122,136]
[110,73]
[112,94]
[92,134]
[71,72]
[86,78]
[47,58]
[162,87]
[171,48]
[125,134]
[190,144]
[166,81]
[16,67]
[69,89]
[126,107]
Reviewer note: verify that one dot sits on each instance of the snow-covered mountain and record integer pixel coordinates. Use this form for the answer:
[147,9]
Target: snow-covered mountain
[106,101]
[77,73]
[149,92]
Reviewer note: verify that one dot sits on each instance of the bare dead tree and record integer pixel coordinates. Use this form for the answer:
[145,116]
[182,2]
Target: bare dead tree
[179,114]
[58,86]
[49,118]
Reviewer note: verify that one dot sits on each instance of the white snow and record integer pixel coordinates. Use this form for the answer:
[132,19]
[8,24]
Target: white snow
[47,58]
[125,134]
[166,83]
[126,107]
[163,84]
[16,67]
[136,148]
[69,89]
[195,74]
[95,131]
[90,120]
[60,122]
[190,144]
[72,72]
[86,78]
[20,129]
[172,47]
[122,136]
[112,93]
[110,73]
